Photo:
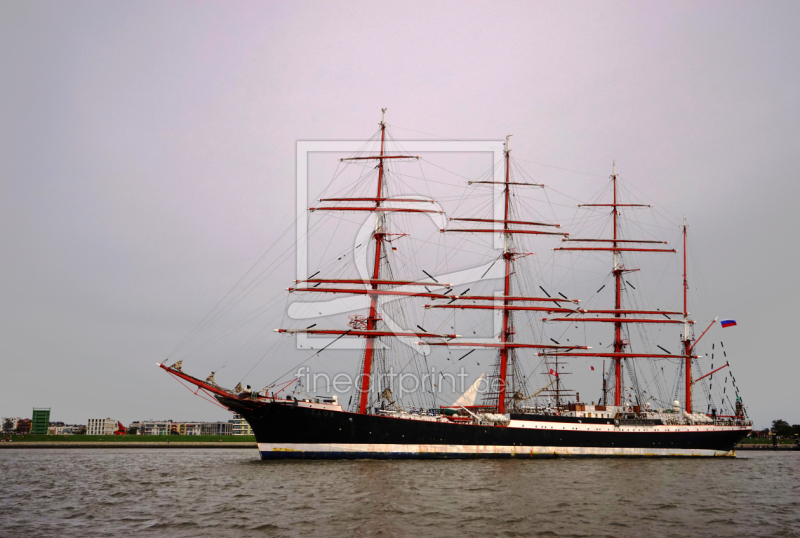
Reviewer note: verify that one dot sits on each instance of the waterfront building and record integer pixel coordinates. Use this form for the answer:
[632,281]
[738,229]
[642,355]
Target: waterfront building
[216,428]
[101,426]
[169,427]
[9,424]
[56,428]
[23,426]
[189,428]
[40,421]
[71,429]
[240,426]
[154,427]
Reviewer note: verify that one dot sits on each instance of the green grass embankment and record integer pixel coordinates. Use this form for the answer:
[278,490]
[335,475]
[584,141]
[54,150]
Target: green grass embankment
[762,441]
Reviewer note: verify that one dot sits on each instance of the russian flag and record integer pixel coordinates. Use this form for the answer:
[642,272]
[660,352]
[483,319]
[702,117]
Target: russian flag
[727,323]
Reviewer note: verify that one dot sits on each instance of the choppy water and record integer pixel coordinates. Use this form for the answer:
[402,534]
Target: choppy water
[217,493]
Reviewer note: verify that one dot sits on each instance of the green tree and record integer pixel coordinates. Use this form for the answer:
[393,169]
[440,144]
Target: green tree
[782,428]
[132,431]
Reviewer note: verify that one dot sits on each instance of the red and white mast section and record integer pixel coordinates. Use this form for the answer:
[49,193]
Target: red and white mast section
[372,319]
[620,314]
[377,285]
[687,344]
[505,303]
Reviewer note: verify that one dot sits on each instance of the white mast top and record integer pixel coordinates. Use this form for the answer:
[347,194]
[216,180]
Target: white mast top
[383,116]
[506,148]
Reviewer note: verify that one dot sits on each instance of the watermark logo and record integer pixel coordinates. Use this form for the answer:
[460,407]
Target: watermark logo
[402,383]
[311,310]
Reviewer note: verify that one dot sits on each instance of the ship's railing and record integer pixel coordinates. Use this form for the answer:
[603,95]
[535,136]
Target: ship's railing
[419,414]
[418,411]
[669,416]
[732,421]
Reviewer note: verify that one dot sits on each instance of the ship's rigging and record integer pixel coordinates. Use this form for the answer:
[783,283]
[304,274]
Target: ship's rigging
[507,385]
[515,364]
[384,419]
[618,245]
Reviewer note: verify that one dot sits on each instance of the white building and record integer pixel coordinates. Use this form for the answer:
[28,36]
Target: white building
[169,427]
[240,426]
[9,424]
[157,427]
[101,426]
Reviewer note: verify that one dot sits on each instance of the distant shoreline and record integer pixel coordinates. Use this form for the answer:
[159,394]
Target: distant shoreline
[148,445]
[764,446]
[130,441]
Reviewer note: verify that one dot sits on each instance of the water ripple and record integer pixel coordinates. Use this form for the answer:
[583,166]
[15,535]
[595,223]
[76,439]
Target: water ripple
[83,493]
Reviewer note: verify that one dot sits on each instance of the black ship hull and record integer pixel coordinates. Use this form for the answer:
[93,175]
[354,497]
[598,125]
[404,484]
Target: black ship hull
[286,430]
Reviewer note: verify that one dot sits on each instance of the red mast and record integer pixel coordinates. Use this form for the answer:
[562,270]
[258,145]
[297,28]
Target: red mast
[619,346]
[619,269]
[368,328]
[372,320]
[686,334]
[506,336]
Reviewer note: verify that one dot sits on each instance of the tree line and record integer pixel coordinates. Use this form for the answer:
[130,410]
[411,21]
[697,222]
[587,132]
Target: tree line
[783,429]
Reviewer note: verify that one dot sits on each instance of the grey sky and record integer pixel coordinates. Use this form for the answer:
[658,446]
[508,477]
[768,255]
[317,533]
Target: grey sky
[148,149]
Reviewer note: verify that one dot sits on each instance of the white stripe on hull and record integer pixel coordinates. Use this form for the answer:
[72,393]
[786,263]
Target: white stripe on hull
[590,427]
[289,450]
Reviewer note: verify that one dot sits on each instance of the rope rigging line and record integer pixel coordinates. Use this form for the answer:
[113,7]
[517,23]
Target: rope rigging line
[208,319]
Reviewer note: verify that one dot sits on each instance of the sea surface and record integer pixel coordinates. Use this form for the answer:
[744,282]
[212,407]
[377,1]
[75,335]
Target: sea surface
[221,493]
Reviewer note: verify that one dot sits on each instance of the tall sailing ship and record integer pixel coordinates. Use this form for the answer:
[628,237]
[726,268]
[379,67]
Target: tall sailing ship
[513,419]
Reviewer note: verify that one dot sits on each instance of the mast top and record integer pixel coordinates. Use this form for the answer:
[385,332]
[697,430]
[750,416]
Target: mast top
[383,117]
[614,167]
[506,144]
